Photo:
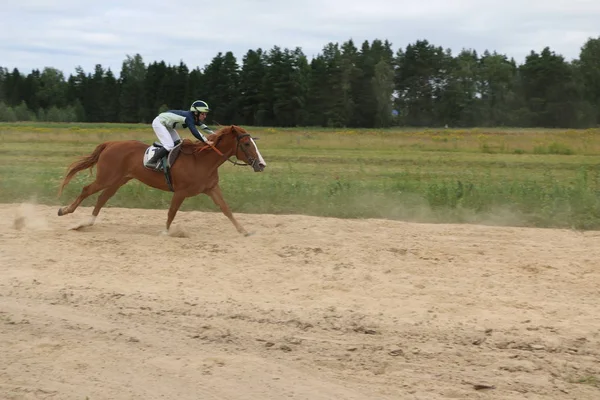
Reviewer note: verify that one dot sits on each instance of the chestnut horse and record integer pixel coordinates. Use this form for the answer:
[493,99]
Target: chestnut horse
[195,171]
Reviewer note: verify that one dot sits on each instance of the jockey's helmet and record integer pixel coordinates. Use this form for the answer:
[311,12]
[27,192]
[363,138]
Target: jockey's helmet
[199,106]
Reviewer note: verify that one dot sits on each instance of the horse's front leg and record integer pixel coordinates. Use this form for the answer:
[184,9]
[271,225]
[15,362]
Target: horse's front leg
[216,195]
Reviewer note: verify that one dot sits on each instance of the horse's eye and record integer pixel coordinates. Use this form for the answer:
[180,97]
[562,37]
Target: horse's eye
[247,144]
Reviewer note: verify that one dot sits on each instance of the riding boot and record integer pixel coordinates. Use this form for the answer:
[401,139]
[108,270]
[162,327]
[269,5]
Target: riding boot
[158,154]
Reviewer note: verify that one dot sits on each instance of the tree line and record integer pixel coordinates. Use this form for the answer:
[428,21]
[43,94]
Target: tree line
[343,86]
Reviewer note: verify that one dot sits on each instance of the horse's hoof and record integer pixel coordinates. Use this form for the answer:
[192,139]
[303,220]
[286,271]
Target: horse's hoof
[78,227]
[60,212]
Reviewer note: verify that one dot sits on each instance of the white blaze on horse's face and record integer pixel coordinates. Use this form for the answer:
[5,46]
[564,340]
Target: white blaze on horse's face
[261,160]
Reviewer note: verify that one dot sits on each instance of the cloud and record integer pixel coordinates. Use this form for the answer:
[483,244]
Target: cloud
[70,33]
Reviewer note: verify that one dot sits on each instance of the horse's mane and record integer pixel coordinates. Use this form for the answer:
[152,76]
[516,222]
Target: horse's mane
[198,145]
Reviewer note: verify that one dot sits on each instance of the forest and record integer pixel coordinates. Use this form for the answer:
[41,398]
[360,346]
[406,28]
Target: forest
[370,85]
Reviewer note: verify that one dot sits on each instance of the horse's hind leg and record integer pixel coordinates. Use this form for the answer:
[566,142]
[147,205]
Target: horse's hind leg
[87,191]
[107,194]
[102,199]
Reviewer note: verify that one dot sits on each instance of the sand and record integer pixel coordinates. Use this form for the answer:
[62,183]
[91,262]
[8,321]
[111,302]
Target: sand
[306,308]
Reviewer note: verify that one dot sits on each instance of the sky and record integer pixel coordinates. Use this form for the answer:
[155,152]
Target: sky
[66,34]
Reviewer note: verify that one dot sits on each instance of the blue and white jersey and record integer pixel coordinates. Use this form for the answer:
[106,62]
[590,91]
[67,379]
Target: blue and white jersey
[171,118]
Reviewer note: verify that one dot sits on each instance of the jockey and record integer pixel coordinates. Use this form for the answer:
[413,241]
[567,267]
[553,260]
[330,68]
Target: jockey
[164,127]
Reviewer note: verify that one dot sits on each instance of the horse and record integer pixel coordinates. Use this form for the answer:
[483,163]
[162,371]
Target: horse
[195,171]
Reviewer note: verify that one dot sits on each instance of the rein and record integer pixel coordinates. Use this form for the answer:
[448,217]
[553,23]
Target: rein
[206,147]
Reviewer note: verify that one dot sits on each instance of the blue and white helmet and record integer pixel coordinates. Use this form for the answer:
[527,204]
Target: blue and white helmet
[199,106]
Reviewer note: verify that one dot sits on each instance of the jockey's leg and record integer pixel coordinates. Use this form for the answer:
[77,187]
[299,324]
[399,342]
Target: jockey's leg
[175,137]
[164,135]
[165,138]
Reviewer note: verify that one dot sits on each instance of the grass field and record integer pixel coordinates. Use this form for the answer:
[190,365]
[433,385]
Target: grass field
[532,177]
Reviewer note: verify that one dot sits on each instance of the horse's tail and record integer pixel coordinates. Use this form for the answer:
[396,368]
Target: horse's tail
[81,164]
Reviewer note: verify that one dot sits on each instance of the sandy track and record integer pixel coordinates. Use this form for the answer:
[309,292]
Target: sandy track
[307,308]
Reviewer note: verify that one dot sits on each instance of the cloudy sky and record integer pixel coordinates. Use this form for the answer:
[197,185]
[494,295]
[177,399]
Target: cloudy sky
[65,34]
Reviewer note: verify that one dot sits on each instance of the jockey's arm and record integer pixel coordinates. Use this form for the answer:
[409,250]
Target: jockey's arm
[206,129]
[197,134]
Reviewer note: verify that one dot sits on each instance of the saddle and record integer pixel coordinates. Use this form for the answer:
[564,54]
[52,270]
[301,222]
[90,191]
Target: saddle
[165,163]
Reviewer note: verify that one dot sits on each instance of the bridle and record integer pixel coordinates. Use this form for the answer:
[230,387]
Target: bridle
[251,160]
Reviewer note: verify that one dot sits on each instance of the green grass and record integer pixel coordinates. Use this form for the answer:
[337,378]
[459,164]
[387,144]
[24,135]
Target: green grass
[587,380]
[534,177]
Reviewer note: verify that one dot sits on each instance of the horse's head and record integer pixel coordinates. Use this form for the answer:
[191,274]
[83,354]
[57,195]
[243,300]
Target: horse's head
[246,149]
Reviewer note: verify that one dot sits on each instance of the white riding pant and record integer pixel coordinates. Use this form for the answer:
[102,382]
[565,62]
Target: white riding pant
[166,136]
